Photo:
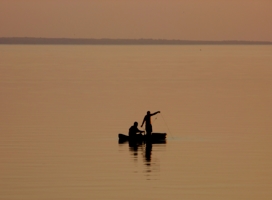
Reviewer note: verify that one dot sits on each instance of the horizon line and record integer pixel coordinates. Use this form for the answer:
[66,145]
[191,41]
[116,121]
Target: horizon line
[90,41]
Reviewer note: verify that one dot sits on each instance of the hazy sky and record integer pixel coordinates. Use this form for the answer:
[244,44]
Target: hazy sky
[158,19]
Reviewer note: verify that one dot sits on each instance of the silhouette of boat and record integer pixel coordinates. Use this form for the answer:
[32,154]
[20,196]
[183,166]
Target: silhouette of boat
[154,138]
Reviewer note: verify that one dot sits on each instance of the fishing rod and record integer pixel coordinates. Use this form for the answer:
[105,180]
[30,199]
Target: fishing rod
[167,126]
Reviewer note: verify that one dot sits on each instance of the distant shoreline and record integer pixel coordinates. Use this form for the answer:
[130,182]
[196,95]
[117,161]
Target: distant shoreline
[77,41]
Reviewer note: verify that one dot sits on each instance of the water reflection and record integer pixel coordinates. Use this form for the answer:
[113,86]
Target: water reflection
[145,148]
[149,159]
[148,150]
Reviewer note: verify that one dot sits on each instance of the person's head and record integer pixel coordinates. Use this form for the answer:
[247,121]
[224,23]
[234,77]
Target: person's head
[135,124]
[148,112]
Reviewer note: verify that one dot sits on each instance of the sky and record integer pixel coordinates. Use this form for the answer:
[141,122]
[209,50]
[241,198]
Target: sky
[135,19]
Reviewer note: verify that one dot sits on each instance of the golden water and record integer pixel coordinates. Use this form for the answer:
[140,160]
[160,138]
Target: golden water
[62,108]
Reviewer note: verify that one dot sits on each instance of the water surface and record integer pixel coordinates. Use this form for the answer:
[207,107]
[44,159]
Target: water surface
[62,108]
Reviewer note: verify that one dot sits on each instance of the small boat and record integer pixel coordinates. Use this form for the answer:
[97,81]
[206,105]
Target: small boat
[154,138]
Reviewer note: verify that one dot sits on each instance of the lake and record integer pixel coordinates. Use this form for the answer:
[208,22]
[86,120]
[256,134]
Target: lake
[63,106]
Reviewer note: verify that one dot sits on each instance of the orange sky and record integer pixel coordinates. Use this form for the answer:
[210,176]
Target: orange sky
[158,19]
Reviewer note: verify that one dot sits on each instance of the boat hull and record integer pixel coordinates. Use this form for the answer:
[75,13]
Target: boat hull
[154,138]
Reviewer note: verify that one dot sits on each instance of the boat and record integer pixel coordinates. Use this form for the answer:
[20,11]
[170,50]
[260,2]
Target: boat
[154,138]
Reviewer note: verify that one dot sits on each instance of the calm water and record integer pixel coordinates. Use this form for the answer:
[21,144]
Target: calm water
[62,108]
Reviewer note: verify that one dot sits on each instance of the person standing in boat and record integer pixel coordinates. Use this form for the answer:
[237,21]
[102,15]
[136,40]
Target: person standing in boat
[147,121]
[133,130]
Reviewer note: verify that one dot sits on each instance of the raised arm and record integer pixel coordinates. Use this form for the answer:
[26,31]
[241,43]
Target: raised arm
[155,113]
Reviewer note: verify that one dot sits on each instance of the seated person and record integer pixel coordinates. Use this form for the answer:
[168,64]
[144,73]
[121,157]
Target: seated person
[133,130]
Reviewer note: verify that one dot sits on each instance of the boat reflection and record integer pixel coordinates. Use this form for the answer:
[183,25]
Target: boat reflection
[150,158]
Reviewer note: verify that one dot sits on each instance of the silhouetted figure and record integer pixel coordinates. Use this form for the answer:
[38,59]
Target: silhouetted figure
[147,121]
[133,130]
